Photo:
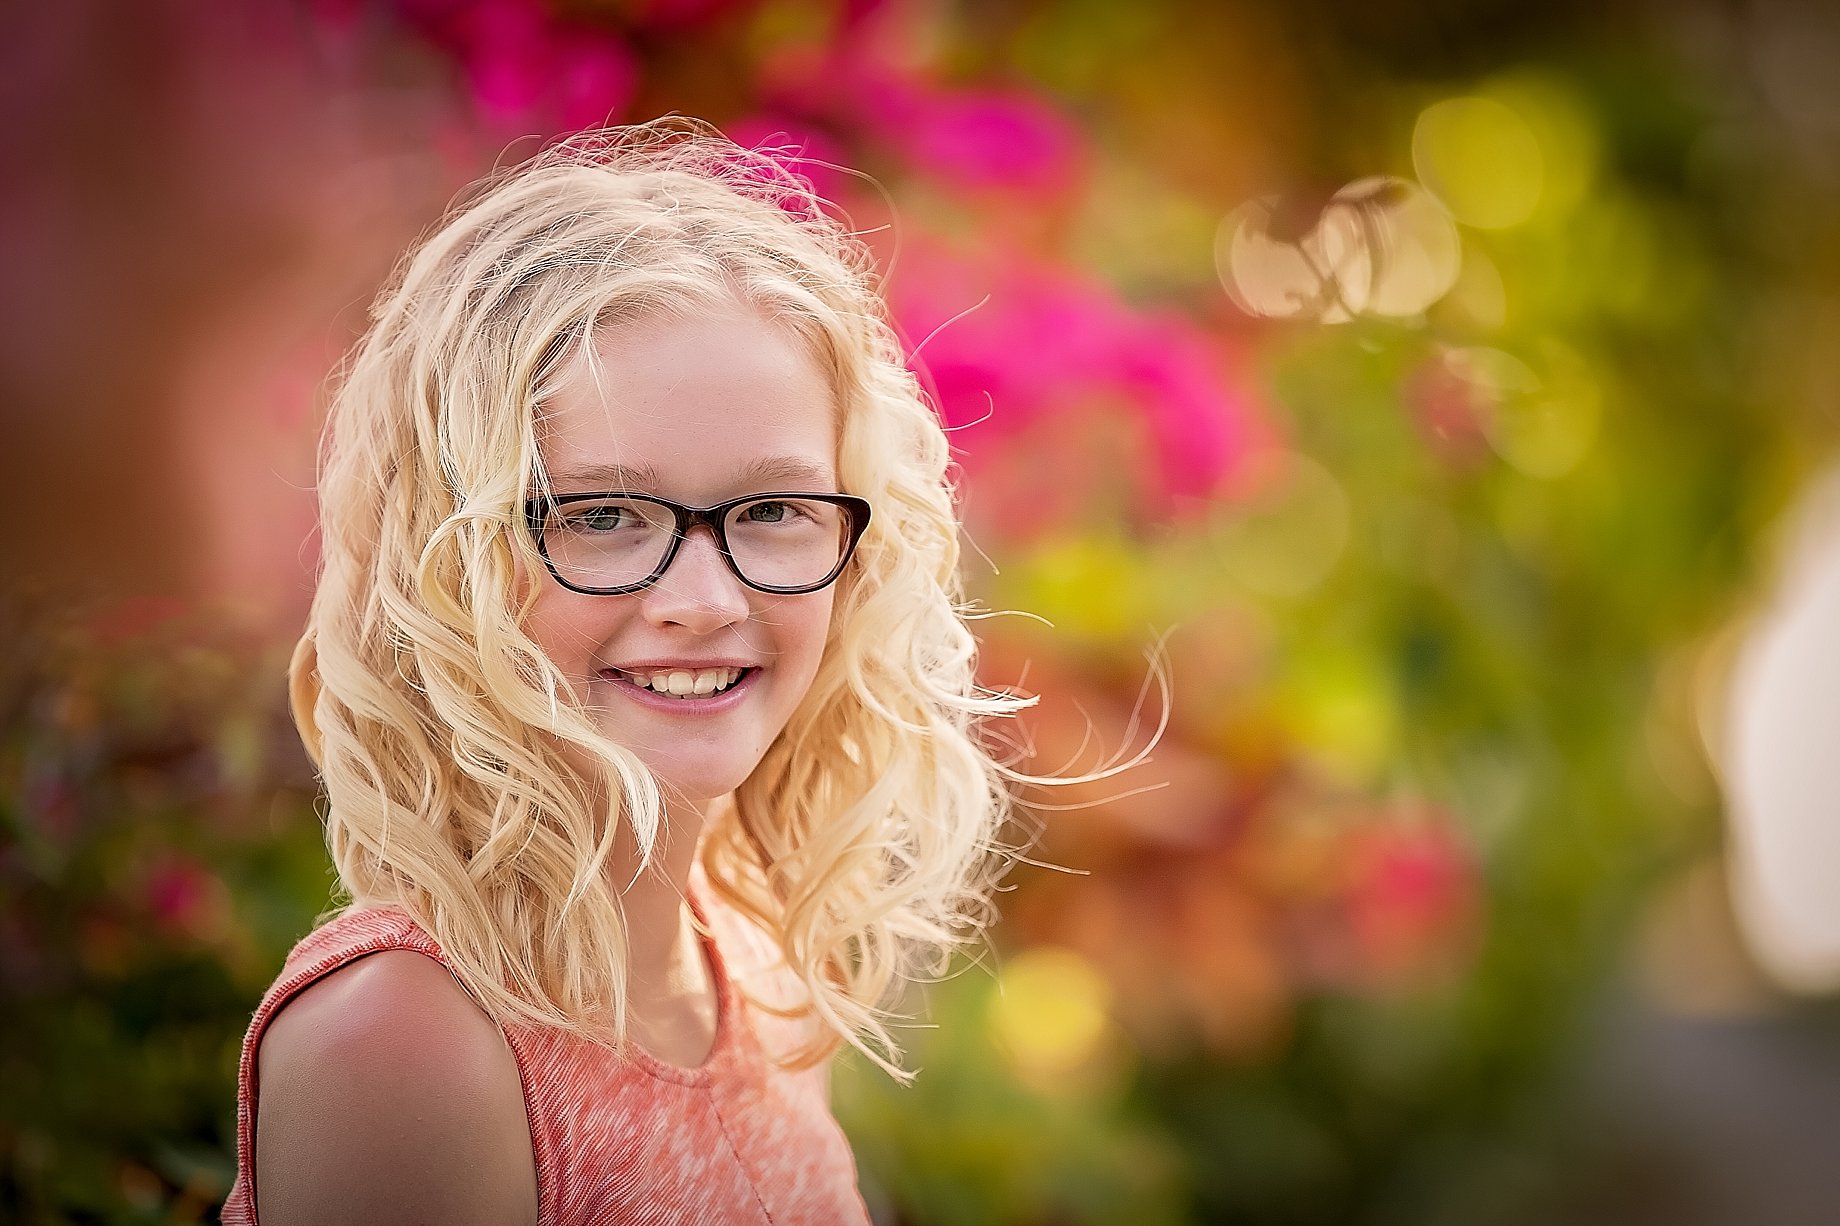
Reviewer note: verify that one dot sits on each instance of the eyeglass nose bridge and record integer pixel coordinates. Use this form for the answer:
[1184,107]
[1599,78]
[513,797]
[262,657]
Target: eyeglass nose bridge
[687,520]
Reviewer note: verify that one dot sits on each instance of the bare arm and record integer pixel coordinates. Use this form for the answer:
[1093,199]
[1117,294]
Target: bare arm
[386,1096]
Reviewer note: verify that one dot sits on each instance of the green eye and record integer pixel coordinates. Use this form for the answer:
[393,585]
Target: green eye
[604,518]
[769,512]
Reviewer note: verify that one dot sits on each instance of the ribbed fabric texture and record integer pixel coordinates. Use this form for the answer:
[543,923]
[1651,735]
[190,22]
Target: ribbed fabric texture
[630,1140]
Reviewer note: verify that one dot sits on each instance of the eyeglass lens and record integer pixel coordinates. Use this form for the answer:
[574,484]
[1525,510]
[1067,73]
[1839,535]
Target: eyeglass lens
[616,542]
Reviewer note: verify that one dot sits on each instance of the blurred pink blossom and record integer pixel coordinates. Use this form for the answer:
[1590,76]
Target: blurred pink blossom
[1449,411]
[986,138]
[1031,342]
[1412,901]
[866,80]
[186,899]
[524,64]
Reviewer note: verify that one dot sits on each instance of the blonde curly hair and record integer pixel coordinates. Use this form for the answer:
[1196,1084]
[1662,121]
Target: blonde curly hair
[866,842]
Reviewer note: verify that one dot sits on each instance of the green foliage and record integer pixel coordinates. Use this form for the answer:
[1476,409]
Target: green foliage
[157,857]
[975,1143]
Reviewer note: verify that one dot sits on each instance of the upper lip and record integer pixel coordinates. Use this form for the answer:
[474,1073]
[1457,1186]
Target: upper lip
[669,666]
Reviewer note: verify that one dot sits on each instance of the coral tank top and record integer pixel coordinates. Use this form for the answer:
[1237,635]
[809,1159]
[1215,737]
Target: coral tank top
[631,1139]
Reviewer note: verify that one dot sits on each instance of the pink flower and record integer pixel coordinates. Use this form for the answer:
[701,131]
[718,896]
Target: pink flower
[990,138]
[1412,901]
[524,64]
[986,139]
[596,79]
[1047,343]
[1201,427]
[186,899]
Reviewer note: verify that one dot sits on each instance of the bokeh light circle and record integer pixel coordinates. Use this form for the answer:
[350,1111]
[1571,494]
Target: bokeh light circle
[1381,245]
[1322,276]
[1481,159]
[1053,1013]
[1413,248]
[1542,421]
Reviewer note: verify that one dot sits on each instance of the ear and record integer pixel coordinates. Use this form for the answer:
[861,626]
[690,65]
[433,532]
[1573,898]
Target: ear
[303,693]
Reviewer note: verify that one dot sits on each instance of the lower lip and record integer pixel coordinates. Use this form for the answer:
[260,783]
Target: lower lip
[709,704]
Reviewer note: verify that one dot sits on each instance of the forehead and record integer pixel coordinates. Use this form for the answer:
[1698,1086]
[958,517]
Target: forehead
[696,405]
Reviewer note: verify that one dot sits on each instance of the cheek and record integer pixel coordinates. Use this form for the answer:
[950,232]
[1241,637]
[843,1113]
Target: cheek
[565,625]
[538,624]
[813,630]
[522,594]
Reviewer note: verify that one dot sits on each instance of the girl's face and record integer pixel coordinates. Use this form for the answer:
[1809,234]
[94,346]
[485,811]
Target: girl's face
[699,409]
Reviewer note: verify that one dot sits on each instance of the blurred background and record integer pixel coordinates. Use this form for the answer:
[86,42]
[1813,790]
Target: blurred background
[1448,391]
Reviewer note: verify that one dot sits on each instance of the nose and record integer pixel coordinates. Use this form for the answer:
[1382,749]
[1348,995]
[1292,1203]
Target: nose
[697,591]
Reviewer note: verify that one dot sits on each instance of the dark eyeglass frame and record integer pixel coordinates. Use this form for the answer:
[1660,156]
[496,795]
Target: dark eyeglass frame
[537,512]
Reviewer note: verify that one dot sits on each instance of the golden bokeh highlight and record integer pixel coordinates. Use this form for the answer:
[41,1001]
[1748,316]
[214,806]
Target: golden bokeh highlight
[1481,158]
[1052,1013]
[1571,149]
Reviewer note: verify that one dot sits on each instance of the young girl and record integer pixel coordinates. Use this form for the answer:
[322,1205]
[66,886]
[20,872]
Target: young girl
[645,712]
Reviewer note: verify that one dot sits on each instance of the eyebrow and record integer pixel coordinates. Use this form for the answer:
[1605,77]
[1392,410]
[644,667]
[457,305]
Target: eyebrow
[642,477]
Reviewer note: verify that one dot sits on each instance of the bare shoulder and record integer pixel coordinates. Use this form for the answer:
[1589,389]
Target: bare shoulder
[385,1094]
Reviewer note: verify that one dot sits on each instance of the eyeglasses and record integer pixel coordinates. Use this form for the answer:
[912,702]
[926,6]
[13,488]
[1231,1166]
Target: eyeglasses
[608,544]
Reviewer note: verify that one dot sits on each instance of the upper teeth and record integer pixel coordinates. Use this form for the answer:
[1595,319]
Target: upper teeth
[685,683]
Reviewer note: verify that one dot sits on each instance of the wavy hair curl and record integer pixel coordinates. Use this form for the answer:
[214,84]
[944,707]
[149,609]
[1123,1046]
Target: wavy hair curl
[866,842]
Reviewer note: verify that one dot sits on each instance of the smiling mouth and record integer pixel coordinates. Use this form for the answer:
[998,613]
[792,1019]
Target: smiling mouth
[683,683]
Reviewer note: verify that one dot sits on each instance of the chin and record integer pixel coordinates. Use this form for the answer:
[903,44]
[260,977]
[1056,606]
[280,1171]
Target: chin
[697,783]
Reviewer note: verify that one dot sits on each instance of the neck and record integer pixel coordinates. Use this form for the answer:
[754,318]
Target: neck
[671,998]
[661,948]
